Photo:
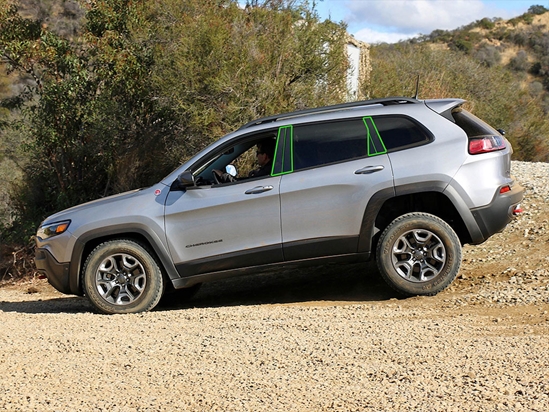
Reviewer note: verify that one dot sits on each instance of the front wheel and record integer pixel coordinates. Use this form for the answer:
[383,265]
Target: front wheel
[121,276]
[419,254]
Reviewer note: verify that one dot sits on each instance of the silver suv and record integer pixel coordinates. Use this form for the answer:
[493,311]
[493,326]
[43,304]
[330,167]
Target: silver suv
[402,180]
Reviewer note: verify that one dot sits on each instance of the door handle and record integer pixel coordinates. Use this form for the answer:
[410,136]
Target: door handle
[369,169]
[258,189]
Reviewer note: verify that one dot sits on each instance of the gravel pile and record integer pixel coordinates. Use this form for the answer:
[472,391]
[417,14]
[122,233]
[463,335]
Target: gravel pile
[523,288]
[479,346]
[521,252]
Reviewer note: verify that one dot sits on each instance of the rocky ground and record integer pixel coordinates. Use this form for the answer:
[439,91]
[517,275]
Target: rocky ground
[335,339]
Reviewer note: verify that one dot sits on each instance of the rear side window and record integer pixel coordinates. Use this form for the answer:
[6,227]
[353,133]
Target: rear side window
[332,142]
[324,143]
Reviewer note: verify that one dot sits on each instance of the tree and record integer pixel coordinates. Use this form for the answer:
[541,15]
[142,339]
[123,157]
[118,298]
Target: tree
[145,84]
[94,124]
[221,66]
[537,9]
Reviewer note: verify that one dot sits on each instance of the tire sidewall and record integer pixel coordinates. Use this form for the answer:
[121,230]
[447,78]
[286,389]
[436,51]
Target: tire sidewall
[154,286]
[413,221]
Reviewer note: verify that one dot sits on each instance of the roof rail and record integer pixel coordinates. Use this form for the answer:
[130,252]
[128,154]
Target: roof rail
[386,101]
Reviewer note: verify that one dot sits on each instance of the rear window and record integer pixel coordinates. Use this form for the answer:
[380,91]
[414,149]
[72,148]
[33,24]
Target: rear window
[472,125]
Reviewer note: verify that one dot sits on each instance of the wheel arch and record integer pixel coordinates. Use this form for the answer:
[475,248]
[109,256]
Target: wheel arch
[89,241]
[387,205]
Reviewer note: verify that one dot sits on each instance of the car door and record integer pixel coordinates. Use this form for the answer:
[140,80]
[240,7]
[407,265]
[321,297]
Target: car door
[214,228]
[337,168]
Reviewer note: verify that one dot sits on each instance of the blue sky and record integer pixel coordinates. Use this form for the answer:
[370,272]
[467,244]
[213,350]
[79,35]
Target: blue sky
[389,21]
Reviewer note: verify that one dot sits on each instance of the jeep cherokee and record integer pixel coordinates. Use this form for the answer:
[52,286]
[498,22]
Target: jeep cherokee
[403,180]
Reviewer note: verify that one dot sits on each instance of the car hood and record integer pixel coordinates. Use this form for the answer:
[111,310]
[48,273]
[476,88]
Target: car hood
[102,206]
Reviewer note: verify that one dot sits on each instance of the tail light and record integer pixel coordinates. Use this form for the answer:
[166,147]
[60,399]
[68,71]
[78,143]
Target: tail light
[486,144]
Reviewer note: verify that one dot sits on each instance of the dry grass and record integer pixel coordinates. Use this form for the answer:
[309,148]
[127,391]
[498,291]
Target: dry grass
[16,263]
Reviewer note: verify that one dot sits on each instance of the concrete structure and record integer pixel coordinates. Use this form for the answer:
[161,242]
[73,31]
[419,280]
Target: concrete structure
[358,73]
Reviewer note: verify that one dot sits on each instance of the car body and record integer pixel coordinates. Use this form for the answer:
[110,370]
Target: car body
[403,180]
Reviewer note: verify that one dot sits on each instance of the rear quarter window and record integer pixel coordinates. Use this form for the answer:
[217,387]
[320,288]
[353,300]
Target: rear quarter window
[399,132]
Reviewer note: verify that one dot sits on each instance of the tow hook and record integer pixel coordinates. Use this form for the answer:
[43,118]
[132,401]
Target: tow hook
[517,210]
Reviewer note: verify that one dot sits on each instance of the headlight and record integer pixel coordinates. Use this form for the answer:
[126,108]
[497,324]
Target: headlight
[53,229]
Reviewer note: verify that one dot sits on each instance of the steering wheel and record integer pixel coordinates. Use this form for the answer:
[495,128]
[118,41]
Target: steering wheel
[222,177]
[217,178]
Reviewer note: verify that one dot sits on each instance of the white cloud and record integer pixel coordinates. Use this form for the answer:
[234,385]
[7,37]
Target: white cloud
[410,17]
[371,36]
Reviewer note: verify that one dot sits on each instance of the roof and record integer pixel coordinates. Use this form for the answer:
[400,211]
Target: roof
[334,108]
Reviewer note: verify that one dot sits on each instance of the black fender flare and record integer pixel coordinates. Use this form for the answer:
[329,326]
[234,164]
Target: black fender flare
[117,231]
[368,229]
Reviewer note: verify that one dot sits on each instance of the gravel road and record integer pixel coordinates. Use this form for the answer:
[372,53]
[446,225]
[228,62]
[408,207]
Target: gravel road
[331,339]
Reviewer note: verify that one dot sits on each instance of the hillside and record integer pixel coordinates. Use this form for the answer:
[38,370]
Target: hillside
[520,44]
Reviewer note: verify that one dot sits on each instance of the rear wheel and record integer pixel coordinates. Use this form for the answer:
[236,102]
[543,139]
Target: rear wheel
[121,276]
[419,254]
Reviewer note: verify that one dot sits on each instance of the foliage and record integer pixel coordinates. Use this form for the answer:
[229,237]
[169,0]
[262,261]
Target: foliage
[144,84]
[493,94]
[537,9]
[486,23]
[95,126]
[520,62]
[220,66]
[488,55]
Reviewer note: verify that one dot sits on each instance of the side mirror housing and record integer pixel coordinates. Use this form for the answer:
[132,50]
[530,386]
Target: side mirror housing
[184,180]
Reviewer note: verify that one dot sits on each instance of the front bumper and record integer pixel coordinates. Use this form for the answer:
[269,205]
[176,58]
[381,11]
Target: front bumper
[57,273]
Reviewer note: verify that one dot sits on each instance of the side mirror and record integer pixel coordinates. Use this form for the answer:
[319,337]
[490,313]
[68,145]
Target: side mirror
[501,132]
[184,180]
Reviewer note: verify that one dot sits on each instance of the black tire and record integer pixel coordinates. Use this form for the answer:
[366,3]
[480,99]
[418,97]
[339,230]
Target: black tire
[121,276]
[418,254]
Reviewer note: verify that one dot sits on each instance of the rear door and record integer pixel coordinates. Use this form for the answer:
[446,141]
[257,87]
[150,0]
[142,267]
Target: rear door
[336,168]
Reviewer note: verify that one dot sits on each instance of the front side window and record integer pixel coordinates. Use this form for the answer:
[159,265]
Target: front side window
[250,157]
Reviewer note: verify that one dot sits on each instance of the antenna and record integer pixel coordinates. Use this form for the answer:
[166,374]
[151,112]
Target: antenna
[417,87]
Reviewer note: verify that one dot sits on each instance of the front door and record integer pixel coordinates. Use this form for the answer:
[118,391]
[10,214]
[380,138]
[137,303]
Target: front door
[222,227]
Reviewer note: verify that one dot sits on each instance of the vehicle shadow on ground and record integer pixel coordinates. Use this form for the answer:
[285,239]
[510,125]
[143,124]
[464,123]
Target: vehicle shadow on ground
[72,304]
[333,283]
